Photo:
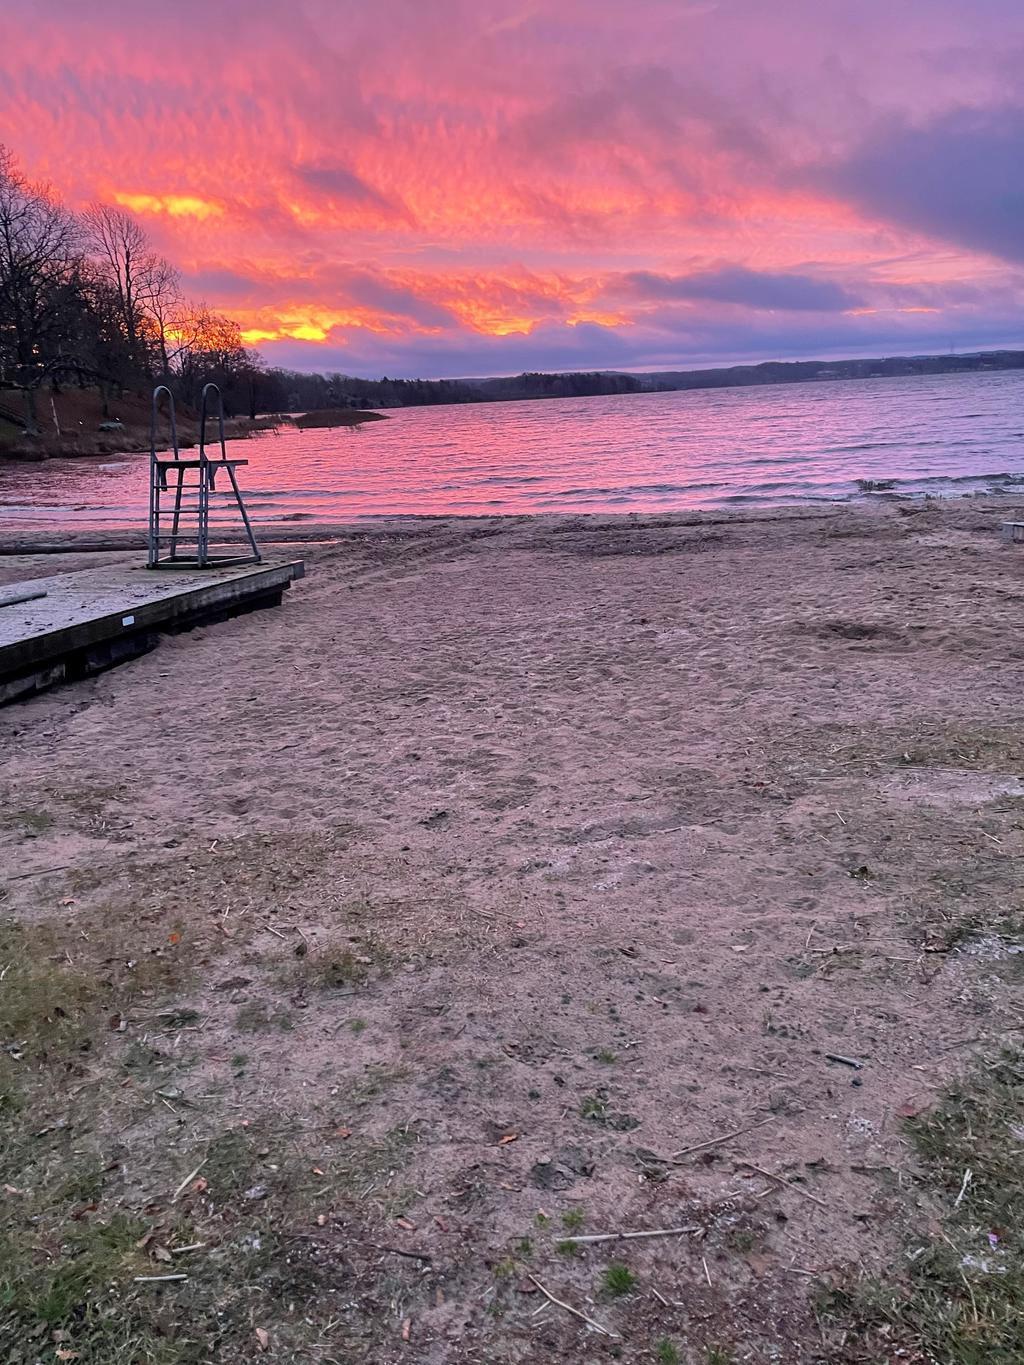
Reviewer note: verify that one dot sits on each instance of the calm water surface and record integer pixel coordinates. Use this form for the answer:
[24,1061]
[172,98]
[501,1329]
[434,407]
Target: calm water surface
[782,444]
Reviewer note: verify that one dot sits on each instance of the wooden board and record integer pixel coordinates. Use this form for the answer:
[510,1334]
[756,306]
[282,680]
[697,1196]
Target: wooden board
[97,617]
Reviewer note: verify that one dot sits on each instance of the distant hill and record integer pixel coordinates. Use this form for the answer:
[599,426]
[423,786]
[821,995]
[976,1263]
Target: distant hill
[799,371]
[289,390]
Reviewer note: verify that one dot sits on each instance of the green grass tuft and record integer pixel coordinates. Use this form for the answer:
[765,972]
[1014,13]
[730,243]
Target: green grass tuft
[618,1279]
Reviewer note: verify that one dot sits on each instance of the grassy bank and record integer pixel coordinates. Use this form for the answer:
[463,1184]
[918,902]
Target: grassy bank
[957,1295]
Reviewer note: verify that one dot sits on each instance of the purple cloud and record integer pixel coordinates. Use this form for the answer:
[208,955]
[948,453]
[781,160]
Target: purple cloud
[959,178]
[775,290]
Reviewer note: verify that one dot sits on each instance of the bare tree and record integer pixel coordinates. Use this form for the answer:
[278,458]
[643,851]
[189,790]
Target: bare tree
[210,348]
[39,282]
[162,304]
[141,281]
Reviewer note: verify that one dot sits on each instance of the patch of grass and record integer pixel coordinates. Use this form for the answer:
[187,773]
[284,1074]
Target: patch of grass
[255,1017]
[666,1352]
[618,1279]
[375,1082]
[178,1018]
[357,1026]
[54,1000]
[568,1248]
[716,1356]
[46,1005]
[979,749]
[573,1219]
[230,1164]
[374,1164]
[739,1239]
[86,1211]
[606,1055]
[593,1107]
[960,1297]
[333,966]
[81,1291]
[27,822]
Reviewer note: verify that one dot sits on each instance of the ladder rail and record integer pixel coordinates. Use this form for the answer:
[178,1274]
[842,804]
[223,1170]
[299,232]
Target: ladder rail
[192,501]
[155,476]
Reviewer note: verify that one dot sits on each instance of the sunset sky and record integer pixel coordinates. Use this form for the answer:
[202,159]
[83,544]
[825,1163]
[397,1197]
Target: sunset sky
[461,187]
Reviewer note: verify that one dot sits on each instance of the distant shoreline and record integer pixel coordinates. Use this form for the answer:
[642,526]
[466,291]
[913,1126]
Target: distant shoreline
[316,391]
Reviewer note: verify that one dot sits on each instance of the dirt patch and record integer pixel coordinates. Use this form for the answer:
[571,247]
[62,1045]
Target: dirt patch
[856,631]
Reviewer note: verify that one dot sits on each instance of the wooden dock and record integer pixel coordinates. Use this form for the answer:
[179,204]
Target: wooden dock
[73,624]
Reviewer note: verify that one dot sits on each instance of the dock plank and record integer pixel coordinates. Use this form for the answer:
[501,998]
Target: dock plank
[93,618]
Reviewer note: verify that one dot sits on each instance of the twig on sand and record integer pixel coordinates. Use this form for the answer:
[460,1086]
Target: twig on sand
[589,1238]
[188,1180]
[38,872]
[576,1312]
[781,1180]
[724,1137]
[157,1279]
[963,1188]
[400,1251]
[846,1061]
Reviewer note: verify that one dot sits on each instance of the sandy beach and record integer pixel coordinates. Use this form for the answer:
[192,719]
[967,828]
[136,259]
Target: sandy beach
[525,879]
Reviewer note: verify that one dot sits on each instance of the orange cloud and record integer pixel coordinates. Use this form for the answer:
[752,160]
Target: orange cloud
[176,205]
[489,171]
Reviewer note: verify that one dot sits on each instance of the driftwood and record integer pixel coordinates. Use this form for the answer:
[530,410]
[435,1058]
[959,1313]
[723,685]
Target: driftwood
[11,599]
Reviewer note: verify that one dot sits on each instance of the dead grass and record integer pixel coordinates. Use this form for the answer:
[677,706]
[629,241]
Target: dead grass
[975,748]
[60,988]
[333,966]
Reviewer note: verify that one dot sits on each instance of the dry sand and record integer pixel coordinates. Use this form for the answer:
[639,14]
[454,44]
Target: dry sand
[625,824]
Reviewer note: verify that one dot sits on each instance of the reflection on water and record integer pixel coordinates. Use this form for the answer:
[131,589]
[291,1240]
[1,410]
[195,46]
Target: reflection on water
[623,453]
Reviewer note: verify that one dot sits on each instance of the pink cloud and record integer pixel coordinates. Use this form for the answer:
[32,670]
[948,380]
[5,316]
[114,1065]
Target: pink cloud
[471,177]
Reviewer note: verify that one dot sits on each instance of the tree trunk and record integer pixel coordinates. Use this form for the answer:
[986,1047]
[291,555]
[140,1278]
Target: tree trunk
[31,419]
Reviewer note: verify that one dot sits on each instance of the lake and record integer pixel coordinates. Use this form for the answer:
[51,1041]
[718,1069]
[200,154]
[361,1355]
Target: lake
[771,445]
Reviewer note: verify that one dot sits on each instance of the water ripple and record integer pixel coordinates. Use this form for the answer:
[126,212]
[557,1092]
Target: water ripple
[636,452]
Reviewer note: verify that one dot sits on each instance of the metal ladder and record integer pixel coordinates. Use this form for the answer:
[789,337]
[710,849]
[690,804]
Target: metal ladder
[188,540]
